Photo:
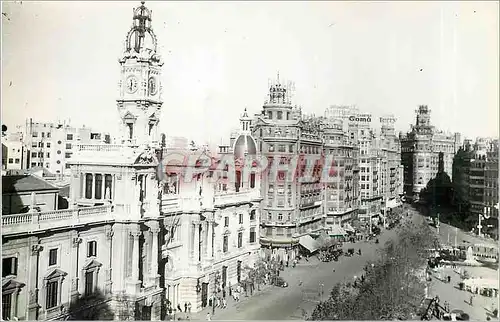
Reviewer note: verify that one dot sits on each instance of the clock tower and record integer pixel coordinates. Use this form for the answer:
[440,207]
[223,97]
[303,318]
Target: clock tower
[139,103]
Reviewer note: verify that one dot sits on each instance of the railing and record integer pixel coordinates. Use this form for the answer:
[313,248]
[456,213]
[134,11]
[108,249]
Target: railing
[99,147]
[33,221]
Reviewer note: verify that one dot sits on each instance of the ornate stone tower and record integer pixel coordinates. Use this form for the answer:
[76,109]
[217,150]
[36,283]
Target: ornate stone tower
[139,103]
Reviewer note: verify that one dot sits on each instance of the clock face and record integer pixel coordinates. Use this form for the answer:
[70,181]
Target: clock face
[152,86]
[131,84]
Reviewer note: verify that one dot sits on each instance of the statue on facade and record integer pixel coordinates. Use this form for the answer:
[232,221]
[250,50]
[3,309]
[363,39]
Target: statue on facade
[146,157]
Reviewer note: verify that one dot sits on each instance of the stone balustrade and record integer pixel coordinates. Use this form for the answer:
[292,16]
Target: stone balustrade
[178,204]
[39,221]
[99,147]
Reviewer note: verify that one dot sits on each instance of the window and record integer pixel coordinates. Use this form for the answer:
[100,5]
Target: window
[280,217]
[6,306]
[9,266]
[43,134]
[252,235]
[35,134]
[92,248]
[69,146]
[17,160]
[68,155]
[47,144]
[33,164]
[58,161]
[280,115]
[34,145]
[252,215]
[98,186]
[108,181]
[11,160]
[48,154]
[53,257]
[67,166]
[33,154]
[40,154]
[269,231]
[48,135]
[241,219]
[88,186]
[225,243]
[252,180]
[51,295]
[58,151]
[240,239]
[226,221]
[89,283]
[69,137]
[40,144]
[59,142]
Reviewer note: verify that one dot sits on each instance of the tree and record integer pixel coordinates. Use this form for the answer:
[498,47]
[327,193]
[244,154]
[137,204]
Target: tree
[90,308]
[391,288]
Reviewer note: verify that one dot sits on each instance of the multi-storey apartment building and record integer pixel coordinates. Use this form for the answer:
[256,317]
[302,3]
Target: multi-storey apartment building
[135,239]
[420,150]
[50,145]
[15,153]
[342,190]
[291,207]
[475,177]
[392,169]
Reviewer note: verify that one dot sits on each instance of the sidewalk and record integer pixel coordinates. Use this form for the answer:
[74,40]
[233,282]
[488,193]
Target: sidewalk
[289,274]
[458,299]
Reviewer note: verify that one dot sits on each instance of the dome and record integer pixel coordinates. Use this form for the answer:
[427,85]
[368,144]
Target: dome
[244,145]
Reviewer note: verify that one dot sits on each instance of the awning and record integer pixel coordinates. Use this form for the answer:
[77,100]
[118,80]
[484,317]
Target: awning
[308,243]
[393,203]
[337,231]
[482,283]
[348,227]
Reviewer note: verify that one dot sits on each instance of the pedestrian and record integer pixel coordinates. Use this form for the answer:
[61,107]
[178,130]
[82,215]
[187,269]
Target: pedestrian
[224,303]
[209,317]
[189,307]
[470,301]
[179,308]
[185,307]
[449,278]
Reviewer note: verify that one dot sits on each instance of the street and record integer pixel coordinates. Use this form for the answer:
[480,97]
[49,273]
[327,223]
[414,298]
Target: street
[275,303]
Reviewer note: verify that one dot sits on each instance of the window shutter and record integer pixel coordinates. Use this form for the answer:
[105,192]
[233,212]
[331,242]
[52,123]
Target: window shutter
[14,265]
[89,249]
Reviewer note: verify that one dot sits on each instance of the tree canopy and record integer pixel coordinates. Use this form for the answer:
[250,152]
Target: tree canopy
[392,287]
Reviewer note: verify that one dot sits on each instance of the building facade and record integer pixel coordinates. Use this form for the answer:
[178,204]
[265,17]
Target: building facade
[50,145]
[138,237]
[420,149]
[14,152]
[290,207]
[475,179]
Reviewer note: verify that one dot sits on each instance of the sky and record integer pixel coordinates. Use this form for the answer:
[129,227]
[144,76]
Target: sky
[60,61]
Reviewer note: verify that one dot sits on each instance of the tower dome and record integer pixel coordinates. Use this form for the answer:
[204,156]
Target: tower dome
[244,145]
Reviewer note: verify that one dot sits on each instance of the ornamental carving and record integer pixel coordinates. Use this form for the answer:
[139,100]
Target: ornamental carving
[36,249]
[76,241]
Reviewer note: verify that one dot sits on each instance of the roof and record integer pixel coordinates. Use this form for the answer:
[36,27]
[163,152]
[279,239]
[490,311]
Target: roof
[244,145]
[337,231]
[64,191]
[45,172]
[308,243]
[25,183]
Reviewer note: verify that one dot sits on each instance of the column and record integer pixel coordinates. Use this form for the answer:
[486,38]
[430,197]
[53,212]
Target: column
[108,283]
[196,242]
[103,190]
[209,239]
[135,255]
[76,241]
[93,186]
[33,305]
[155,277]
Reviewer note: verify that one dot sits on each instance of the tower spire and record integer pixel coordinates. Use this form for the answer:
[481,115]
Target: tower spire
[278,77]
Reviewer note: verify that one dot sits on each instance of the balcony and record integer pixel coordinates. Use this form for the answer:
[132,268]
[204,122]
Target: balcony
[177,204]
[40,221]
[231,198]
[99,147]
